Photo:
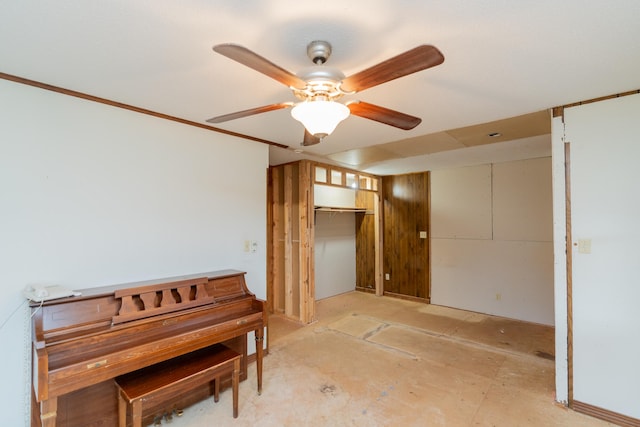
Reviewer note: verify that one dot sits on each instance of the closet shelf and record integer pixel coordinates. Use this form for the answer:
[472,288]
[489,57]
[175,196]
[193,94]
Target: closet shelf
[342,210]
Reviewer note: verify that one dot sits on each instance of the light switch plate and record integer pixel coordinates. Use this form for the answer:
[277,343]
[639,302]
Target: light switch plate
[584,246]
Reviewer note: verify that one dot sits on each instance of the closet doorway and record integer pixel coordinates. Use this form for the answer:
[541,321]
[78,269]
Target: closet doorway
[324,236]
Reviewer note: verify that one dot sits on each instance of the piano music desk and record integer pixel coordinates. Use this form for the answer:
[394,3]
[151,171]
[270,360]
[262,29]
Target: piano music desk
[157,384]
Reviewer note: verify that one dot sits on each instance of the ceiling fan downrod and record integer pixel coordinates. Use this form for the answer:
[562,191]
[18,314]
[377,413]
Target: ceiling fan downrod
[319,51]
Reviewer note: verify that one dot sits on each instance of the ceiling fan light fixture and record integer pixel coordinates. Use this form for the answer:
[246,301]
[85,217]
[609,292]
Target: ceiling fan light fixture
[320,118]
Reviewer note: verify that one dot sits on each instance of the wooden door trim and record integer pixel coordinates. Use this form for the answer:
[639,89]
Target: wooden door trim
[569,244]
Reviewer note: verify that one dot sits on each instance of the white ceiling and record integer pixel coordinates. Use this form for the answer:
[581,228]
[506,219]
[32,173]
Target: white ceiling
[503,58]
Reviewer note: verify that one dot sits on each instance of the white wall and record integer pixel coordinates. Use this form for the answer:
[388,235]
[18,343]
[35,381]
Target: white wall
[491,239]
[335,241]
[605,209]
[335,253]
[333,197]
[92,195]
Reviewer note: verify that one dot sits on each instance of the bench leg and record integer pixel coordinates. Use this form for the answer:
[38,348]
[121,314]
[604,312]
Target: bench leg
[122,410]
[136,413]
[216,389]
[235,380]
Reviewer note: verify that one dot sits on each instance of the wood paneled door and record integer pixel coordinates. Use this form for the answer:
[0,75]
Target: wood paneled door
[406,235]
[367,245]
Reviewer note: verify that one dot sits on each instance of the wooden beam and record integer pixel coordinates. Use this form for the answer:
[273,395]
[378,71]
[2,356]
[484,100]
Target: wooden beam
[271,242]
[306,252]
[288,241]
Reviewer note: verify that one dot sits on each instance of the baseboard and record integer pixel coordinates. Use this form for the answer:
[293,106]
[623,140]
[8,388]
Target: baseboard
[407,297]
[605,414]
[365,290]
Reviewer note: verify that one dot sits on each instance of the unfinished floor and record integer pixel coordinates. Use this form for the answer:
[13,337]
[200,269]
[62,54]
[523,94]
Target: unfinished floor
[379,361]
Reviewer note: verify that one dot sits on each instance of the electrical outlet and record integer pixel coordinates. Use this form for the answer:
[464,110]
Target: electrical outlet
[247,245]
[387,276]
[498,297]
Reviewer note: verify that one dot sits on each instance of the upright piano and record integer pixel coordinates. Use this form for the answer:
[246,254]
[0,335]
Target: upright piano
[81,343]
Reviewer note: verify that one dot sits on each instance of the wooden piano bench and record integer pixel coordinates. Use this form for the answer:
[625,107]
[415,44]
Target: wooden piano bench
[155,384]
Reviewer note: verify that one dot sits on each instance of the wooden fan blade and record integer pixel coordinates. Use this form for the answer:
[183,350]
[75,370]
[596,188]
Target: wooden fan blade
[249,112]
[383,115]
[252,60]
[309,139]
[416,59]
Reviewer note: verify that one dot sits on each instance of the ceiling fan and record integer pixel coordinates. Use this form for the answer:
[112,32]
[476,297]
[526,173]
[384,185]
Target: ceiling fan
[319,87]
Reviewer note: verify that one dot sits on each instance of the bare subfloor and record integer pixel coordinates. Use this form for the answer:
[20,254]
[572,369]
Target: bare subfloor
[379,361]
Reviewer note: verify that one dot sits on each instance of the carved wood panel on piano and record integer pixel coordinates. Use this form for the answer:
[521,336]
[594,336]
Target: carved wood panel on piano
[81,343]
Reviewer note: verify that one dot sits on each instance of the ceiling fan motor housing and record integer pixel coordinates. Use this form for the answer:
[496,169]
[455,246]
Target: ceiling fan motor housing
[322,83]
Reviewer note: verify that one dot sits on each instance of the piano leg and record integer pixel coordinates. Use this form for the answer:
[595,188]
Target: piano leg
[48,410]
[235,379]
[259,344]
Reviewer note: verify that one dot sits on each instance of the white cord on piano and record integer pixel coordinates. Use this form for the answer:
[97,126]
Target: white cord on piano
[36,310]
